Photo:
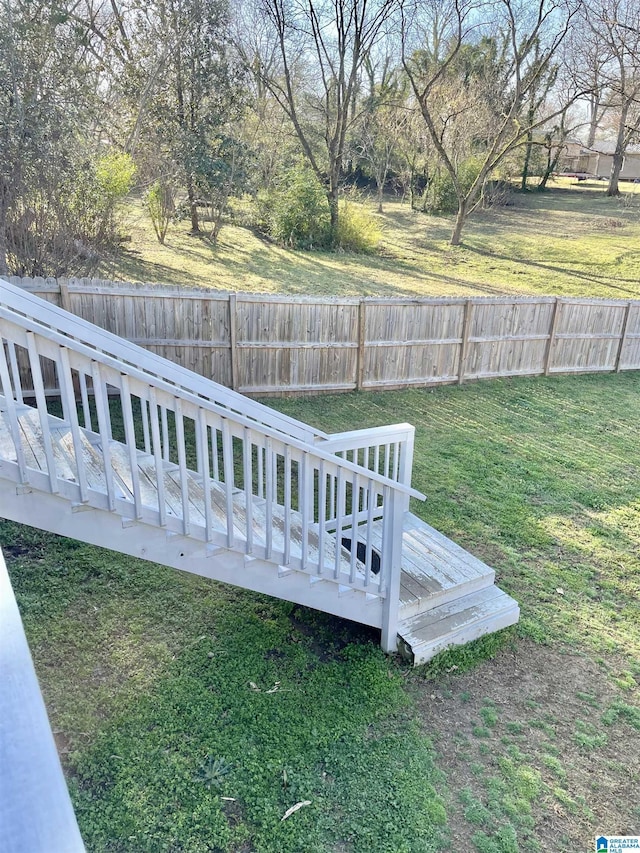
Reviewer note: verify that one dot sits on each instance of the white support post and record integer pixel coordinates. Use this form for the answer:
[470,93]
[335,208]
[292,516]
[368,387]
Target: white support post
[391,566]
[306,479]
[406,463]
[322,514]
[247,457]
[287,505]
[227,462]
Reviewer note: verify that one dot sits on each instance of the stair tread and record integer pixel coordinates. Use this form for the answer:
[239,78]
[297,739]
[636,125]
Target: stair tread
[451,623]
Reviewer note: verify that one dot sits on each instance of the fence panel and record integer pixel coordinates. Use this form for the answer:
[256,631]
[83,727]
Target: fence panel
[294,345]
[286,345]
[587,336]
[412,343]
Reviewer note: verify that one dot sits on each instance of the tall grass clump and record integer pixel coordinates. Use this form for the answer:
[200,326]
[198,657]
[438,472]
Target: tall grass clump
[358,229]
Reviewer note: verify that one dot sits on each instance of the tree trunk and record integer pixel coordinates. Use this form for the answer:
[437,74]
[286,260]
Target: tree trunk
[593,120]
[616,167]
[618,156]
[527,160]
[4,267]
[333,213]
[193,207]
[461,218]
[380,193]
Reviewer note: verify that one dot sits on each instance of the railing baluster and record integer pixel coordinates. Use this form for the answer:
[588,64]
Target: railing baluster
[165,433]
[369,551]
[214,450]
[66,388]
[84,396]
[146,436]
[268,461]
[376,459]
[260,453]
[157,456]
[247,453]
[227,461]
[287,505]
[43,414]
[130,440]
[13,417]
[322,514]
[387,460]
[202,445]
[396,460]
[182,465]
[15,372]
[104,428]
[333,507]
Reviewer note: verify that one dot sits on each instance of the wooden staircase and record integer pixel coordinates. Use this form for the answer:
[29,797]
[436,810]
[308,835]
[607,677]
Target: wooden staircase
[107,443]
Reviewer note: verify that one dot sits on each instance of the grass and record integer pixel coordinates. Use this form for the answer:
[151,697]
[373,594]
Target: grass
[570,241]
[192,716]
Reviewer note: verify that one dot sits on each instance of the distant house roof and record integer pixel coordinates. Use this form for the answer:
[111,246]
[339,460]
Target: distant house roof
[608,147]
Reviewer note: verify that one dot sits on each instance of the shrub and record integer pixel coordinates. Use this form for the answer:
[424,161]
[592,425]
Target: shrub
[358,229]
[299,215]
[160,205]
[440,194]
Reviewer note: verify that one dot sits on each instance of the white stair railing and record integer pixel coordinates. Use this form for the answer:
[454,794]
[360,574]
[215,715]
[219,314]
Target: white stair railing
[179,459]
[36,814]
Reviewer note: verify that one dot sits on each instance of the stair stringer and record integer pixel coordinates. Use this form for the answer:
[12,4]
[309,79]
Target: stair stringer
[56,514]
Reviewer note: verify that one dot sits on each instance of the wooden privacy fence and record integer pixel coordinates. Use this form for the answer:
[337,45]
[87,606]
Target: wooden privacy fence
[260,344]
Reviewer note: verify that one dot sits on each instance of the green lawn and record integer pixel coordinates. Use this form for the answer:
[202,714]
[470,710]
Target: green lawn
[571,240]
[191,716]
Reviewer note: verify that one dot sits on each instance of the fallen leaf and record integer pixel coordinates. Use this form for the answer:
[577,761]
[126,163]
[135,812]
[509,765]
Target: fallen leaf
[294,809]
[254,686]
[560,591]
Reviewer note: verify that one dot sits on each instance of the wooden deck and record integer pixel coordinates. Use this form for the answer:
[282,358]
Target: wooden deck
[436,573]
[207,481]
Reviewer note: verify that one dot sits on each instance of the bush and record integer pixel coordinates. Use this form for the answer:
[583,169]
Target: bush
[299,215]
[440,194]
[358,229]
[160,205]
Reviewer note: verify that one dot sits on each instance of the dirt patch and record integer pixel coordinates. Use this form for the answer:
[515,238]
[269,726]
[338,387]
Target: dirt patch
[532,745]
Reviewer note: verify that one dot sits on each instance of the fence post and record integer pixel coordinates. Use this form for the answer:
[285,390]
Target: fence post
[361,340]
[552,336]
[464,342]
[623,337]
[233,305]
[65,299]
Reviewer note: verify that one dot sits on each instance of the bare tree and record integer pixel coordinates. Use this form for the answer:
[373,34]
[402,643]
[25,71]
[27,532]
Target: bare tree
[384,122]
[322,47]
[472,66]
[616,26]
